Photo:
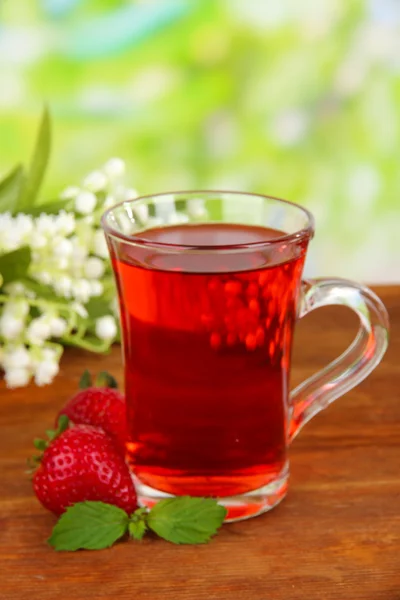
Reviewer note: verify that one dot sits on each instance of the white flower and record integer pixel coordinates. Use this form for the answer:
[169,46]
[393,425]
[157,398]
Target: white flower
[17,357]
[95,181]
[17,377]
[79,252]
[106,328]
[96,288]
[109,201]
[70,192]
[10,327]
[63,247]
[114,168]
[130,194]
[79,309]
[24,224]
[63,286]
[17,307]
[58,326]
[99,244]
[118,191]
[45,371]
[94,267]
[38,240]
[10,238]
[85,202]
[81,290]
[15,288]
[65,223]
[61,263]
[44,277]
[45,225]
[38,331]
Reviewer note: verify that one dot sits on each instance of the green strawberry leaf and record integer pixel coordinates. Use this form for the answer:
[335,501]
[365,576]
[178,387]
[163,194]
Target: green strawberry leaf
[40,444]
[10,188]
[89,525]
[85,380]
[37,167]
[104,379]
[14,265]
[52,434]
[186,520]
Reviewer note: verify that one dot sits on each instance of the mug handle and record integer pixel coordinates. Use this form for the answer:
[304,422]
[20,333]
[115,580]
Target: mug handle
[360,358]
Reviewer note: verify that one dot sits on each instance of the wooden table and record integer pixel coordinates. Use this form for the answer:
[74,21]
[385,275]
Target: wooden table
[336,536]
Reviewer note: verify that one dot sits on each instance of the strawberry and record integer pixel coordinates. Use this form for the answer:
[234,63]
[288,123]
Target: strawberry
[81,463]
[102,407]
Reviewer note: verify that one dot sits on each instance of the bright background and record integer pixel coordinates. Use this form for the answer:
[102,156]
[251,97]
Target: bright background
[295,99]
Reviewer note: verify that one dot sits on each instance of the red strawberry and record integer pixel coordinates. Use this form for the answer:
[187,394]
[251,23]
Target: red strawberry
[99,406]
[80,464]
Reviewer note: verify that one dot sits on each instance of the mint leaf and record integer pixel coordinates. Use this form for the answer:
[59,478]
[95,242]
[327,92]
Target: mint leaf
[10,188]
[186,520]
[89,525]
[38,165]
[137,524]
[137,529]
[85,380]
[14,265]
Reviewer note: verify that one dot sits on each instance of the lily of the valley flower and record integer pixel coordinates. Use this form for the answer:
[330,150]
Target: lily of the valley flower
[69,267]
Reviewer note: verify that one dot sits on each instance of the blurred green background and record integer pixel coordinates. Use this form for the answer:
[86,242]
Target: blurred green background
[295,99]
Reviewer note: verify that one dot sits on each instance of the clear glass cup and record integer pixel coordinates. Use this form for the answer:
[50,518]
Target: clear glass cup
[210,288]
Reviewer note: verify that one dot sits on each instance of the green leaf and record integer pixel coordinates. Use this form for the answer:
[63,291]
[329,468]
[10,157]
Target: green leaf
[97,307]
[38,165]
[14,265]
[63,423]
[10,188]
[186,520]
[90,525]
[50,208]
[137,525]
[137,529]
[40,444]
[44,292]
[85,380]
[104,379]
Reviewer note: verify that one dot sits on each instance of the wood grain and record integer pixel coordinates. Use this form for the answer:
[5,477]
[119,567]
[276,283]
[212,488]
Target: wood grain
[336,536]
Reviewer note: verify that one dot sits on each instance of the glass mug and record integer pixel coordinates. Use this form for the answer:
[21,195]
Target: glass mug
[210,289]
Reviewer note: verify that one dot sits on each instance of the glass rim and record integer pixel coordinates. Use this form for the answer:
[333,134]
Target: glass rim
[134,239]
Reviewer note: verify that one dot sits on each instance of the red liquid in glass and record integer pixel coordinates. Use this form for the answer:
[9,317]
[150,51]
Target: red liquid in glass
[207,342]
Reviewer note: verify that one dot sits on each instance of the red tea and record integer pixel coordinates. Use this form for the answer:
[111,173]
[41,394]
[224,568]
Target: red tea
[207,341]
